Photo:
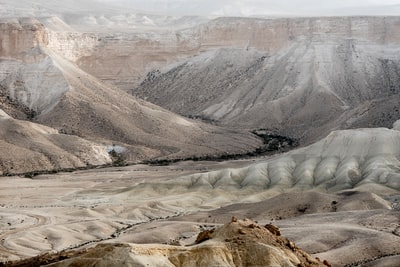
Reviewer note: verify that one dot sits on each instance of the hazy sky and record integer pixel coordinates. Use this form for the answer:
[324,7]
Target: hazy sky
[264,7]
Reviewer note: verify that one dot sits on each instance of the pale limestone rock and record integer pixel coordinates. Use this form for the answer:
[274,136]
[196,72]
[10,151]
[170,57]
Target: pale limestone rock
[226,247]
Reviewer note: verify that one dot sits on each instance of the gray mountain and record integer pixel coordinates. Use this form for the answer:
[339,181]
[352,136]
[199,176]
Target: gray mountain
[301,77]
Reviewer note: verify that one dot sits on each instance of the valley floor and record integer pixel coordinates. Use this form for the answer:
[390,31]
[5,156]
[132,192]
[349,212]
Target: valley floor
[81,209]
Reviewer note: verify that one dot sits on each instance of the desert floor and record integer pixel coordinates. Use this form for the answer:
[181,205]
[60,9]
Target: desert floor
[81,209]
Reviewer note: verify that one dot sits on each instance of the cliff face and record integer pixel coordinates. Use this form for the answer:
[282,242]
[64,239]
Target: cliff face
[139,53]
[71,45]
[299,77]
[29,79]
[273,35]
[22,38]
[40,81]
[28,76]
[124,59]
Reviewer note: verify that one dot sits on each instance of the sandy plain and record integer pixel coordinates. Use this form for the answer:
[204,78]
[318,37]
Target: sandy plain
[55,212]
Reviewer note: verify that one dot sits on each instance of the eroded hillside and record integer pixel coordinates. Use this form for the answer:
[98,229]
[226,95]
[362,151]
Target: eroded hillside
[39,81]
[298,77]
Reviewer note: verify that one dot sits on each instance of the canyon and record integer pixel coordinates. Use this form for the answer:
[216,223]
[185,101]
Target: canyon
[116,127]
[46,87]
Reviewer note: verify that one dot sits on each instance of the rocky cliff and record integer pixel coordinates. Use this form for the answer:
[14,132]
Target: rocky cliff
[299,77]
[40,81]
[21,38]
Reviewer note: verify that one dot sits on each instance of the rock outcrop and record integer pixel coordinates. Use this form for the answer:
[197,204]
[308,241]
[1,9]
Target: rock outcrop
[240,243]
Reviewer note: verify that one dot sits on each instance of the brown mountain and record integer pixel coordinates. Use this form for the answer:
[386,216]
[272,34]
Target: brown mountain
[39,84]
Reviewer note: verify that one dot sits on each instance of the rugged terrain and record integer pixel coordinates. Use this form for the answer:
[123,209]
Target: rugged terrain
[239,243]
[299,77]
[43,85]
[349,177]
[75,79]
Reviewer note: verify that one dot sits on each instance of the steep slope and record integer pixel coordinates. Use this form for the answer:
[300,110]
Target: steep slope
[27,147]
[284,74]
[37,83]
[281,74]
[97,111]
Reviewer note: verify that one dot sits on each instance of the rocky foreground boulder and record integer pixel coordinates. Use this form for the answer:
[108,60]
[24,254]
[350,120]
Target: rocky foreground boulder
[238,243]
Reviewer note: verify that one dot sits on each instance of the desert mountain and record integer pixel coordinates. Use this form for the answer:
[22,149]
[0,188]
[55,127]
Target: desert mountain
[67,73]
[326,73]
[300,77]
[39,84]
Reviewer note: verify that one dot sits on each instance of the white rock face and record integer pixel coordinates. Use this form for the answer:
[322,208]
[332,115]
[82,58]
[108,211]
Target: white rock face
[27,73]
[350,159]
[4,115]
[71,45]
[396,125]
[37,85]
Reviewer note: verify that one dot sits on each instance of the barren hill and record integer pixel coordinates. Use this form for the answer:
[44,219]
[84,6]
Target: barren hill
[361,159]
[298,77]
[28,147]
[40,84]
[301,77]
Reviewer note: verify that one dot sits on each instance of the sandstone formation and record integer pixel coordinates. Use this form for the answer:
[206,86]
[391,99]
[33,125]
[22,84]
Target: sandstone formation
[240,243]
